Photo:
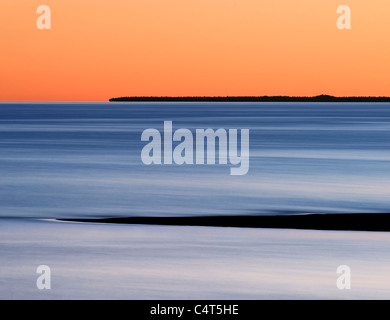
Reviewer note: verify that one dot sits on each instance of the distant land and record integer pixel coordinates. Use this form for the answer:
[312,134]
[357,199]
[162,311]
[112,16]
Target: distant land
[320,98]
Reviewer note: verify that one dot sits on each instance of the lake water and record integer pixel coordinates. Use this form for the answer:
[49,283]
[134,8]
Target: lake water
[64,160]
[75,160]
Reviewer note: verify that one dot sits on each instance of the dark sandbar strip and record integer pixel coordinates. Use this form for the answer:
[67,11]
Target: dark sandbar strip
[346,222]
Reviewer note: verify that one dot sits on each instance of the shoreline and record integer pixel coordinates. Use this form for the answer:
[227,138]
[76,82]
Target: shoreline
[378,222]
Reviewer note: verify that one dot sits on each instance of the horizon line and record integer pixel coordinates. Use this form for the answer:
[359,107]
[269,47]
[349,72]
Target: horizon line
[243,98]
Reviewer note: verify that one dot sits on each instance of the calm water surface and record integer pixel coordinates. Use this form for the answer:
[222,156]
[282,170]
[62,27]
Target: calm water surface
[84,160]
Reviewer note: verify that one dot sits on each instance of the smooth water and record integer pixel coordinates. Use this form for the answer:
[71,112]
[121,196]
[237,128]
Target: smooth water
[63,160]
[111,261]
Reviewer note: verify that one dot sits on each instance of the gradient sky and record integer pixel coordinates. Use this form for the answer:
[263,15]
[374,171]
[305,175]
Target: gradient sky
[98,49]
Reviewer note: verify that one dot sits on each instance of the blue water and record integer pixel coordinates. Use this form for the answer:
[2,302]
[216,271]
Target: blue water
[64,160]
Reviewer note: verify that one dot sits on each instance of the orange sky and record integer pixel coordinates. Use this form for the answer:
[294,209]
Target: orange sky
[98,49]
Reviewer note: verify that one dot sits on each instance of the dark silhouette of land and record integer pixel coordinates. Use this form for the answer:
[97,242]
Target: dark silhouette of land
[346,222]
[320,98]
